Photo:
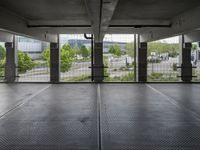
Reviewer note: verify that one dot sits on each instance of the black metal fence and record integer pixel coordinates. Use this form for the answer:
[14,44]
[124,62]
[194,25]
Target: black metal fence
[39,73]
[119,58]
[76,67]
[163,72]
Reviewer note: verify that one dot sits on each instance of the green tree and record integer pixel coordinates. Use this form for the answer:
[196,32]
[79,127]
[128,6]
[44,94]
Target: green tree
[2,53]
[115,49]
[158,47]
[84,51]
[194,47]
[46,55]
[67,56]
[130,49]
[25,62]
[2,65]
[2,60]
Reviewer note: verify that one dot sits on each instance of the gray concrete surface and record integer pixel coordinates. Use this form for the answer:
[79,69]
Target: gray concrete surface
[100,116]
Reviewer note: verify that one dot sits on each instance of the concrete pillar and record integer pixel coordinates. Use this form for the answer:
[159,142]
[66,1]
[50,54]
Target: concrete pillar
[141,61]
[54,62]
[98,62]
[186,67]
[10,67]
[185,60]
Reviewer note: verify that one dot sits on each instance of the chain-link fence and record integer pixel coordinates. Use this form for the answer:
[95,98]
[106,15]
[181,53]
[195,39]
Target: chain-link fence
[33,58]
[75,58]
[119,58]
[2,61]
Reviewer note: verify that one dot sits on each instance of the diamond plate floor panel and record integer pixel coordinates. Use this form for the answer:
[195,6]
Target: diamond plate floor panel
[135,117]
[61,117]
[131,117]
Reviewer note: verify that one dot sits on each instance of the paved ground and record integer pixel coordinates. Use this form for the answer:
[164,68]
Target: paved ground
[94,116]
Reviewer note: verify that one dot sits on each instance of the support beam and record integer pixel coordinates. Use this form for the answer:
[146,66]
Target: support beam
[94,8]
[98,69]
[54,62]
[6,37]
[192,37]
[10,67]
[181,24]
[108,9]
[136,21]
[15,24]
[141,61]
[185,60]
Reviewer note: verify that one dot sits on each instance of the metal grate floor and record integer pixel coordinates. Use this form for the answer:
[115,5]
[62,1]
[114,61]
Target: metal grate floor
[94,116]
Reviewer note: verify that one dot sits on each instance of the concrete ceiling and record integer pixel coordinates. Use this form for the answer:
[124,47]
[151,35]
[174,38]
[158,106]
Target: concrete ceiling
[43,18]
[152,9]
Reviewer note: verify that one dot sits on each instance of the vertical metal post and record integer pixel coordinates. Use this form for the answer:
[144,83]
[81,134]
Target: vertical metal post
[135,57]
[92,57]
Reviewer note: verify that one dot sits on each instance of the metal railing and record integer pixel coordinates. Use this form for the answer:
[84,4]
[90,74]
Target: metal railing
[79,72]
[196,72]
[39,73]
[2,73]
[119,72]
[163,72]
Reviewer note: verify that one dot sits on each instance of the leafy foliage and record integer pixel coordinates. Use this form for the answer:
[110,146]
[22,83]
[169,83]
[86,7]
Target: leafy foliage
[67,56]
[115,49]
[130,49]
[25,62]
[159,48]
[2,53]
[84,51]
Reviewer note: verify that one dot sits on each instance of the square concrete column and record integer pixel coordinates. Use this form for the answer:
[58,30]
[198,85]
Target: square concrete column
[186,66]
[10,67]
[141,62]
[98,68]
[185,59]
[54,62]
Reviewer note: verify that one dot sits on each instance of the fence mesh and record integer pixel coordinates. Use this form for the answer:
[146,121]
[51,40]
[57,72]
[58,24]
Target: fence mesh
[2,61]
[75,58]
[32,60]
[119,58]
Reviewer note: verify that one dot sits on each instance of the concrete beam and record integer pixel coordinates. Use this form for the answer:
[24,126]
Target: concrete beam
[181,24]
[6,37]
[192,37]
[15,24]
[141,22]
[108,9]
[93,8]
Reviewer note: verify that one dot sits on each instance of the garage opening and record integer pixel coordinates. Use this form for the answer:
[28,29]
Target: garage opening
[163,60]
[118,55]
[75,58]
[32,60]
